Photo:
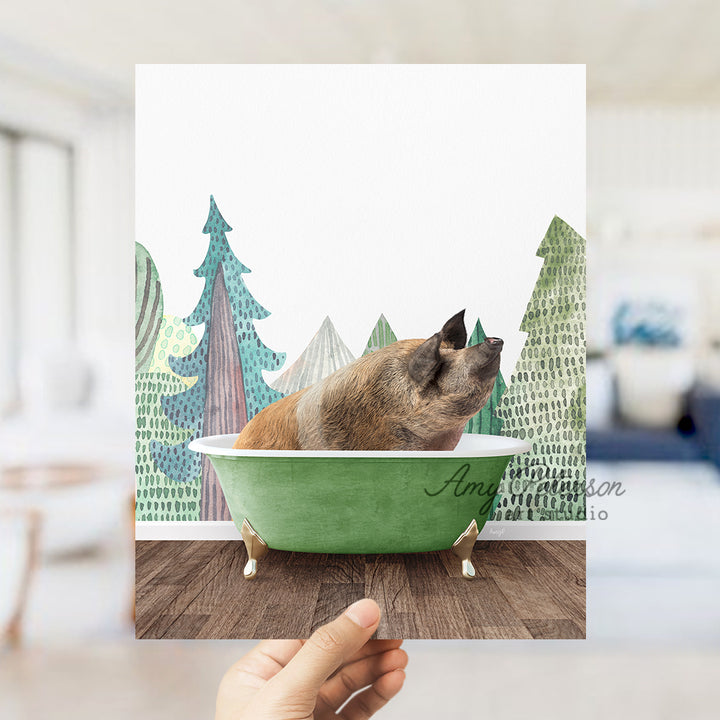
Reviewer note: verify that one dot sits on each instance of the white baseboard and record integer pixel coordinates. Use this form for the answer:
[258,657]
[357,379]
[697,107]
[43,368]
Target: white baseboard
[187,530]
[494,530]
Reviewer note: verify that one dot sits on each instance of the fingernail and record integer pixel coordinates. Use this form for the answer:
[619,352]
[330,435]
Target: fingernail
[364,613]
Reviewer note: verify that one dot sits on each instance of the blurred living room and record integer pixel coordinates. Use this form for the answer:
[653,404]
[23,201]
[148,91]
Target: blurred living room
[653,345]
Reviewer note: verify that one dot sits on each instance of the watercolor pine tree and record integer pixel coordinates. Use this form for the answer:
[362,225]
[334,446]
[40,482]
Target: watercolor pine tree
[486,421]
[325,354]
[381,336]
[545,402]
[228,363]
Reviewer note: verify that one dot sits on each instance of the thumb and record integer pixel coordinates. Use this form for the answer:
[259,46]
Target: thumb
[328,648]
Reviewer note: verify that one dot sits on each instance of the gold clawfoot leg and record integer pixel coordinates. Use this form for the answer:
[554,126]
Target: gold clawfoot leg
[463,548]
[256,549]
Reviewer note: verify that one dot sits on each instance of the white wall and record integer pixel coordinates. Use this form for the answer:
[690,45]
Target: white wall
[653,210]
[105,257]
[409,190]
[43,268]
[58,270]
[653,148]
[7,314]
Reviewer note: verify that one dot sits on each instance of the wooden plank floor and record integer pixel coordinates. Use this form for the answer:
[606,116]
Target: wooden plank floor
[196,589]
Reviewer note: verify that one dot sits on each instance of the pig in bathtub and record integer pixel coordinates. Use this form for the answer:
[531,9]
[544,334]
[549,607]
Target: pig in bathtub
[411,395]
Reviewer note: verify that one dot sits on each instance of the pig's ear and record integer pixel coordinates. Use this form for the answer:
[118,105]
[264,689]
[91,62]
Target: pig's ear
[453,331]
[426,361]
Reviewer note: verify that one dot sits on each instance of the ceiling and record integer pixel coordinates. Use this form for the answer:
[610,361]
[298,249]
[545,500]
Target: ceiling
[636,51]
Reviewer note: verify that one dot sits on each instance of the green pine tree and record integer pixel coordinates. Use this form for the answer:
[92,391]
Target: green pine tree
[486,422]
[545,402]
[381,336]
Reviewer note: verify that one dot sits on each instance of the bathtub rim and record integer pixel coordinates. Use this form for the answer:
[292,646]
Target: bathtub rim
[471,445]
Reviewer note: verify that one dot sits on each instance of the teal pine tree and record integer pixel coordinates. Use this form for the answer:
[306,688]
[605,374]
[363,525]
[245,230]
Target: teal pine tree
[381,336]
[486,421]
[545,402]
[228,363]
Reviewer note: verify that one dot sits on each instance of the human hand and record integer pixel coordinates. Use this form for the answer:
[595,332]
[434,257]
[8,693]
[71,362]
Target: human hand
[312,679]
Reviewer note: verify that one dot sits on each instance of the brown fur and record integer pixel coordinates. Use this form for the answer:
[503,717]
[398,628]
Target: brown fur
[411,395]
[274,427]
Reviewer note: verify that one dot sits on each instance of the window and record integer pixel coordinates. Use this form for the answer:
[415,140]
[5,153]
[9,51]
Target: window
[37,267]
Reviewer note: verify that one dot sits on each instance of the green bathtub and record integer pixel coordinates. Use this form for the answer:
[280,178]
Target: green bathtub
[361,501]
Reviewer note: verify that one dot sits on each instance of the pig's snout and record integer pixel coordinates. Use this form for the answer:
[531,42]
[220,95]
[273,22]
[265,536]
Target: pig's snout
[485,361]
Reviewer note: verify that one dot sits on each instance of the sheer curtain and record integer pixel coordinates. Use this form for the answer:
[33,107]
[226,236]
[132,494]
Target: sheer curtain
[38,272]
[8,306]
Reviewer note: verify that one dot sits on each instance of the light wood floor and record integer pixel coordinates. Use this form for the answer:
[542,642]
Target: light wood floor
[523,590]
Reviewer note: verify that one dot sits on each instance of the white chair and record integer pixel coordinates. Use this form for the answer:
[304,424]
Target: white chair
[19,545]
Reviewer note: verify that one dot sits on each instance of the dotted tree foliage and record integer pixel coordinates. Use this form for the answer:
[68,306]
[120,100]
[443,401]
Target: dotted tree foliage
[175,338]
[157,496]
[186,409]
[545,402]
[254,356]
